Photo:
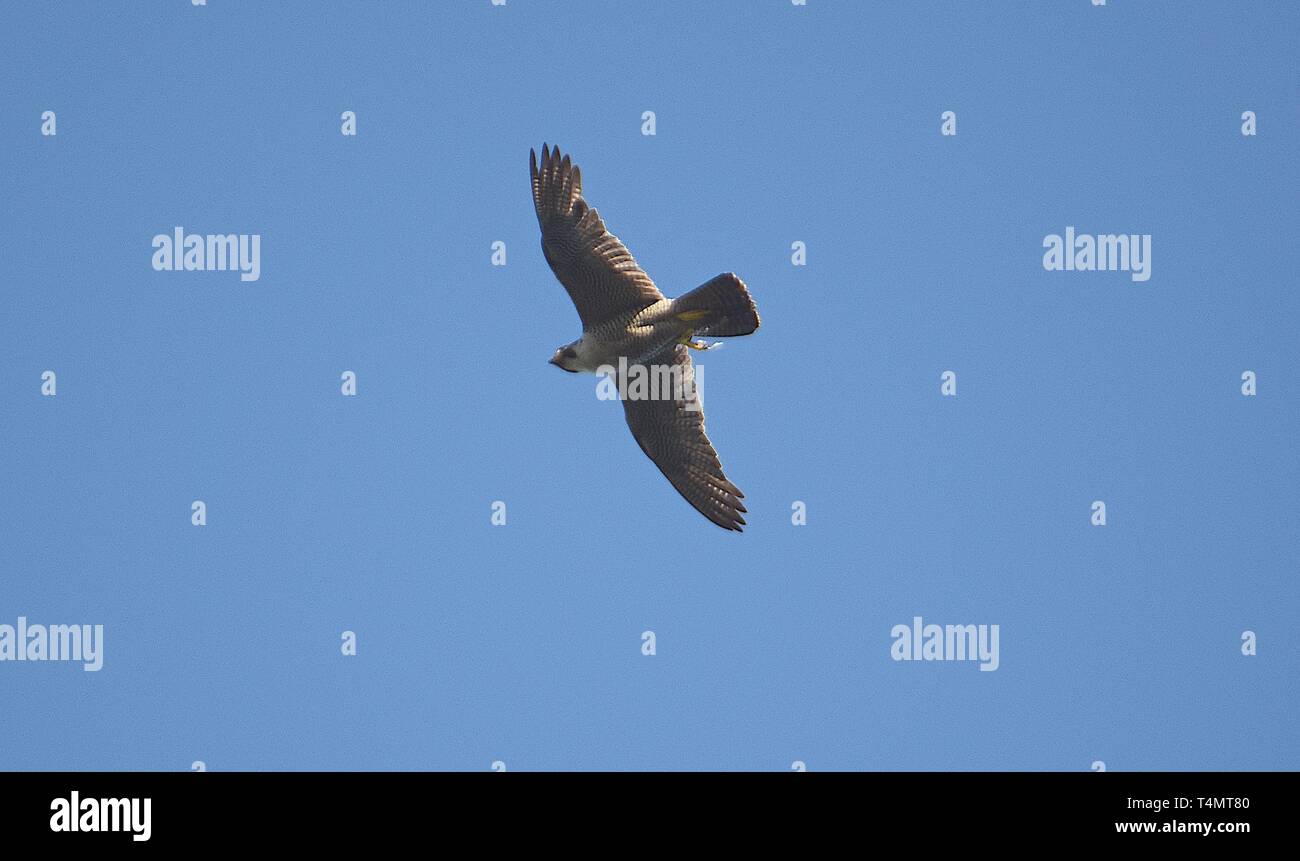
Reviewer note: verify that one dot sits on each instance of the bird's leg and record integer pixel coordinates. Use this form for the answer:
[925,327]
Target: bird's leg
[701,345]
[688,338]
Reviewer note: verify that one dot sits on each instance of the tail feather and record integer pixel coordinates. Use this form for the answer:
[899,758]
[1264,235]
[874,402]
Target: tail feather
[720,307]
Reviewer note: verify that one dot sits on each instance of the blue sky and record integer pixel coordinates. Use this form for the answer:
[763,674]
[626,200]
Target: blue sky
[522,643]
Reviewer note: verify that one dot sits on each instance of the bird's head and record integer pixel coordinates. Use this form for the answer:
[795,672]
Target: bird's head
[564,359]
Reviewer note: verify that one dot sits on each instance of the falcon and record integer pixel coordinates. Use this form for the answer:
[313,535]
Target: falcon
[624,316]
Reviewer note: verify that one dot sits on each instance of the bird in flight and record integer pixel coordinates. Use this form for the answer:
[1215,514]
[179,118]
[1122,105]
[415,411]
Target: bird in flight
[624,316]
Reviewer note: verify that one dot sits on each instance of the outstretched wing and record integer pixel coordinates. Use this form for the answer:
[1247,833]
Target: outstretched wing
[671,433]
[595,268]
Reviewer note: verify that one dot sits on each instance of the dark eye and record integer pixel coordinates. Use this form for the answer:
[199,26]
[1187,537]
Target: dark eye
[570,353]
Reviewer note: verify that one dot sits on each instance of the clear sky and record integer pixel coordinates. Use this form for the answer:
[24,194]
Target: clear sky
[522,643]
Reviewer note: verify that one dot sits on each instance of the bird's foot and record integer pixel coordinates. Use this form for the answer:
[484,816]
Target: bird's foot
[701,345]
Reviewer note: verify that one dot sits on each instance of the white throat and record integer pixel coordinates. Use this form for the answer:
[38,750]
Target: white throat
[589,356]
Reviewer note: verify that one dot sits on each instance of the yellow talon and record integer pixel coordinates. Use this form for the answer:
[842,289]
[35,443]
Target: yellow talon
[688,338]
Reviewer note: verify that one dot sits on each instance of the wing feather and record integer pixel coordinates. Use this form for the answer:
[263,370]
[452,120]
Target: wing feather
[596,269]
[671,433]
